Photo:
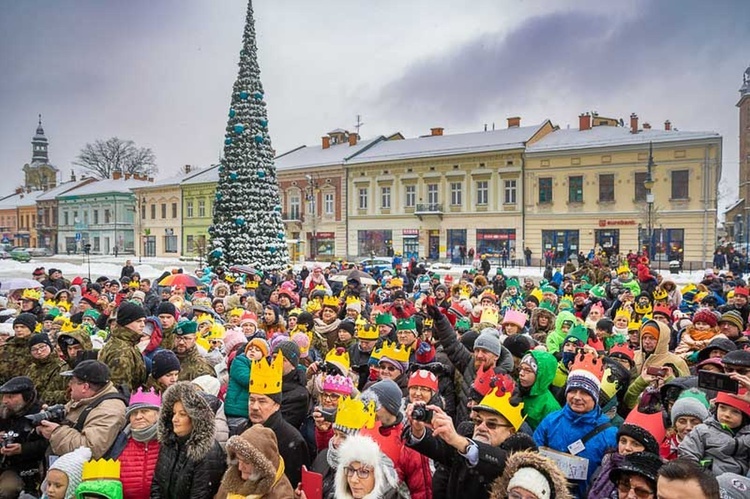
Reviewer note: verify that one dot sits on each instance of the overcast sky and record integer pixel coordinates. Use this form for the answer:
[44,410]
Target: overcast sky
[160,72]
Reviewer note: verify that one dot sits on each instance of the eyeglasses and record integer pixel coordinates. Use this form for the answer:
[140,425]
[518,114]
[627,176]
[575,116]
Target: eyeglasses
[388,367]
[422,389]
[362,473]
[330,396]
[39,348]
[183,339]
[491,425]
[526,370]
[740,371]
[625,487]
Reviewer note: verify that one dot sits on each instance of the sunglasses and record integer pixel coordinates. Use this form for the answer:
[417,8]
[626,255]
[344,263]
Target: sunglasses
[624,487]
[388,367]
[491,425]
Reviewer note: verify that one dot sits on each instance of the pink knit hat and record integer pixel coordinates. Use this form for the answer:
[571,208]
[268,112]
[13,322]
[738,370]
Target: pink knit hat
[338,384]
[232,338]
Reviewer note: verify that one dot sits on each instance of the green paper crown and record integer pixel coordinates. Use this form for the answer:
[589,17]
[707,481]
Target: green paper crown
[406,324]
[578,333]
[384,318]
[598,291]
[513,283]
[463,324]
[548,306]
[548,289]
[565,304]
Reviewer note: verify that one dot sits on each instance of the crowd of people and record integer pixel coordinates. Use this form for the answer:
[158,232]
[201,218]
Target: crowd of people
[333,383]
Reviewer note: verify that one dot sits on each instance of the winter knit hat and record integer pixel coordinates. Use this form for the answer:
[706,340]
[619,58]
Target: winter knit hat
[26,319]
[208,384]
[530,361]
[232,338]
[488,341]
[260,344]
[303,342]
[386,394]
[733,317]
[531,479]
[518,345]
[72,465]
[129,312]
[166,308]
[705,315]
[40,338]
[163,362]
[691,402]
[586,374]
[290,351]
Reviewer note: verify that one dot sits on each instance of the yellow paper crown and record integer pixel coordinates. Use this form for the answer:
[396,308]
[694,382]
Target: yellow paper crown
[265,377]
[339,356]
[396,282]
[313,306]
[331,301]
[352,300]
[623,312]
[251,284]
[101,469]
[464,291]
[133,285]
[67,326]
[634,326]
[204,317]
[623,269]
[31,294]
[217,332]
[237,312]
[660,294]
[537,293]
[499,401]
[367,332]
[490,316]
[353,414]
[609,384]
[360,321]
[393,351]
[428,323]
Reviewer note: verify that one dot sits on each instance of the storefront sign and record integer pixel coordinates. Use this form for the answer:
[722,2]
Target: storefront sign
[323,235]
[410,232]
[609,223]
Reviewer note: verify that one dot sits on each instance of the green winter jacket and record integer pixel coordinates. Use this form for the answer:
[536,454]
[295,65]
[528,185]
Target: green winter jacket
[109,489]
[538,401]
[556,338]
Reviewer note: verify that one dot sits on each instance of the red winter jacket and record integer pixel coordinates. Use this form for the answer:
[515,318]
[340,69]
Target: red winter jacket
[137,463]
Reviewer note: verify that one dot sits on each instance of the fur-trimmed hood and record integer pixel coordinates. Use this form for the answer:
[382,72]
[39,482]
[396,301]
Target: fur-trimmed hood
[535,319]
[256,445]
[529,459]
[202,437]
[362,449]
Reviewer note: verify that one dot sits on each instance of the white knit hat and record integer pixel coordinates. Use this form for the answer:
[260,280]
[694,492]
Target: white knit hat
[208,384]
[72,465]
[532,480]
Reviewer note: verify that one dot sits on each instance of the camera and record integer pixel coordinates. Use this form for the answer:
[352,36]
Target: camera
[329,416]
[53,414]
[9,438]
[421,413]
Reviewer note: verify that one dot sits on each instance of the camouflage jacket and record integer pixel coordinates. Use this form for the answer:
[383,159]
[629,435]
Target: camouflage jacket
[167,340]
[192,365]
[125,361]
[15,358]
[152,383]
[82,337]
[45,374]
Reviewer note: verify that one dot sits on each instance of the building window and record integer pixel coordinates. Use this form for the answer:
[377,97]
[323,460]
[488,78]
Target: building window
[65,218]
[640,188]
[456,197]
[411,196]
[680,184]
[201,208]
[170,244]
[143,211]
[153,211]
[328,203]
[96,217]
[190,243]
[363,198]
[174,210]
[545,190]
[164,210]
[385,198]
[510,192]
[575,189]
[432,194]
[107,216]
[606,187]
[189,209]
[97,244]
[294,204]
[483,192]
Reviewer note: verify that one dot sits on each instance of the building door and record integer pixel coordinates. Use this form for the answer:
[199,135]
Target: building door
[106,246]
[434,245]
[559,245]
[457,246]
[150,246]
[609,240]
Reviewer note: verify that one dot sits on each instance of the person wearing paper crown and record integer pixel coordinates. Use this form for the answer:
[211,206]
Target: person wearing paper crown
[192,363]
[100,479]
[472,464]
[359,354]
[580,427]
[511,299]
[264,408]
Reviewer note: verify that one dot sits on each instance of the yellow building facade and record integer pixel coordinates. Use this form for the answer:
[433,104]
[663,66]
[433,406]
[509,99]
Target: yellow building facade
[588,188]
[158,222]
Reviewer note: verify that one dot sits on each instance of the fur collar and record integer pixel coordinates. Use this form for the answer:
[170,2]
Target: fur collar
[202,437]
[256,445]
[362,449]
[526,459]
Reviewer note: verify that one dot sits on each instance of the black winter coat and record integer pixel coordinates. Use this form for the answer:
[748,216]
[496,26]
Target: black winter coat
[178,477]
[292,447]
[33,447]
[294,398]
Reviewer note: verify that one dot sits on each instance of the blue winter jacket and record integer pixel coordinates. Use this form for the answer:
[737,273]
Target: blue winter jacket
[561,428]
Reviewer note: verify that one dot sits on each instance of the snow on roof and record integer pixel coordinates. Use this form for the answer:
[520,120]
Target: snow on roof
[167,181]
[51,194]
[312,156]
[107,186]
[734,205]
[210,174]
[18,200]
[609,136]
[445,145]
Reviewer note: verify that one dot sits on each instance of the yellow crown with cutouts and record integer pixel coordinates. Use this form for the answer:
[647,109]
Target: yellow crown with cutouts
[31,294]
[313,306]
[360,321]
[67,326]
[204,317]
[236,312]
[265,376]
[367,332]
[660,294]
[464,291]
[353,414]
[499,401]
[331,301]
[623,269]
[338,356]
[230,278]
[252,284]
[491,316]
[101,469]
[428,324]
[394,351]
[352,300]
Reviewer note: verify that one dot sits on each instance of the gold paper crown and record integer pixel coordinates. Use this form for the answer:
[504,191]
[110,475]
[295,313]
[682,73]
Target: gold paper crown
[490,316]
[428,324]
[339,356]
[634,326]
[253,284]
[623,269]
[660,294]
[236,312]
[396,282]
[265,377]
[624,312]
[133,285]
[360,321]
[313,306]
[367,332]
[67,326]
[537,293]
[31,294]
[353,414]
[230,278]
[464,291]
[101,469]
[217,332]
[352,300]
[610,384]
[394,352]
[642,310]
[331,301]
[498,400]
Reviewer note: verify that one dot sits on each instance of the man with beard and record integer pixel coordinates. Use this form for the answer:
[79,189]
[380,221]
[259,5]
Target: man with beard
[22,453]
[192,364]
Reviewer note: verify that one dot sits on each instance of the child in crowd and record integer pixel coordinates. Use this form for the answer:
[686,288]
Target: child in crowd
[65,474]
[690,410]
[698,336]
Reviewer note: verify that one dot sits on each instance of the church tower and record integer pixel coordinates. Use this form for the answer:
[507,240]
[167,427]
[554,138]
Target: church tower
[39,174]
[39,145]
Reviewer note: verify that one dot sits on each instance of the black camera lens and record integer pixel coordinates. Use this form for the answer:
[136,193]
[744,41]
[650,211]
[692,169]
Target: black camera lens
[420,413]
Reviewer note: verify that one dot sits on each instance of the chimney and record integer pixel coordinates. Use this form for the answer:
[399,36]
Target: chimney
[150,179]
[326,142]
[116,175]
[353,139]
[127,176]
[188,168]
[667,125]
[72,175]
[514,122]
[633,123]
[647,126]
[436,132]
[584,121]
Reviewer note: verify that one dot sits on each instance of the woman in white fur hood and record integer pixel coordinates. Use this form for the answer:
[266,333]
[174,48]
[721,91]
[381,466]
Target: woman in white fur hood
[364,472]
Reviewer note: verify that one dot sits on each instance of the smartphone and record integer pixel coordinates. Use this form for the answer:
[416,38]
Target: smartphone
[312,484]
[656,371]
[719,382]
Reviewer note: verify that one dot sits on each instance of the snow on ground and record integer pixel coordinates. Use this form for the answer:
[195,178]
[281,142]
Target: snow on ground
[151,268]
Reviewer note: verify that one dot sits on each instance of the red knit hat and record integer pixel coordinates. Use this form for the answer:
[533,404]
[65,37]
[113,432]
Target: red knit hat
[734,401]
[740,291]
[425,378]
[705,315]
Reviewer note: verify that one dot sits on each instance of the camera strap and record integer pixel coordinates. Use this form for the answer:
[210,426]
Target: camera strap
[595,432]
[93,405]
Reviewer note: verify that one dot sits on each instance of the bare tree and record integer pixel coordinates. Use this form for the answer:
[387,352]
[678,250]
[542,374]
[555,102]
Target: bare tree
[104,157]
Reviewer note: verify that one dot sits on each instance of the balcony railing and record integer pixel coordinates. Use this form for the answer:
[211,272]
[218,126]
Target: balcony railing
[428,209]
[293,216]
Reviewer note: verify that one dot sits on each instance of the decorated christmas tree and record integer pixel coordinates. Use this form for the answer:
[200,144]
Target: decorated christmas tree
[247,227]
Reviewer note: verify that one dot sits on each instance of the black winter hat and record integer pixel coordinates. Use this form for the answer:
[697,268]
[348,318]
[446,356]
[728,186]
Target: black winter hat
[40,338]
[641,435]
[26,319]
[166,308]
[129,312]
[739,358]
[163,362]
[19,384]
[290,350]
[518,344]
[645,464]
[724,344]
[347,326]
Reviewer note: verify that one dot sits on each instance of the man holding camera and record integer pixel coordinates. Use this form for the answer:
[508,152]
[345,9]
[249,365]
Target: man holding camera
[22,449]
[94,416]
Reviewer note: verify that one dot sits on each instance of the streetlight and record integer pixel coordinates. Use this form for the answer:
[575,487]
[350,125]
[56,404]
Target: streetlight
[649,185]
[310,196]
[140,217]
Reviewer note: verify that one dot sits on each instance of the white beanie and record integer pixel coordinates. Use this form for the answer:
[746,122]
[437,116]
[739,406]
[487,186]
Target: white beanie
[532,480]
[208,384]
[72,465]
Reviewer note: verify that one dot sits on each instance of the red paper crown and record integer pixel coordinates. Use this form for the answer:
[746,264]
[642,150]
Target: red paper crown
[488,378]
[588,361]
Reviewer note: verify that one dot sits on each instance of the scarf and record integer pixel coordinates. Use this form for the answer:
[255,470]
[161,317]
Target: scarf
[144,435]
